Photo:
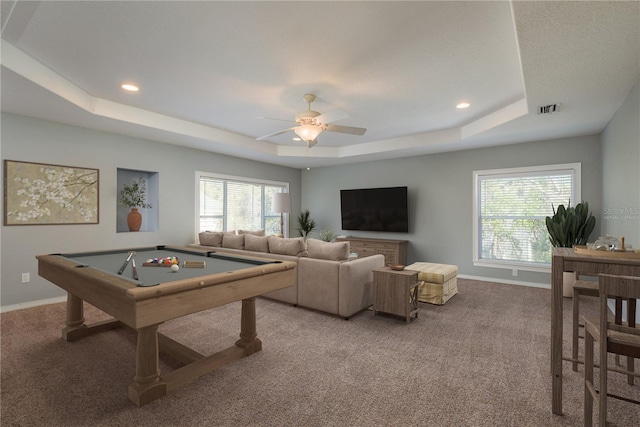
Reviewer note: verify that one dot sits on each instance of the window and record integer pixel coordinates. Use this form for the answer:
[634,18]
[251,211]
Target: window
[510,207]
[226,203]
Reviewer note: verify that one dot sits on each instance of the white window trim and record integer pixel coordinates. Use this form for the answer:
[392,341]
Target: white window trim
[510,265]
[200,174]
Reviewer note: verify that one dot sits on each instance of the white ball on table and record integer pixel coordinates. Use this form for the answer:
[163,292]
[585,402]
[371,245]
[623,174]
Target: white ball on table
[175,267]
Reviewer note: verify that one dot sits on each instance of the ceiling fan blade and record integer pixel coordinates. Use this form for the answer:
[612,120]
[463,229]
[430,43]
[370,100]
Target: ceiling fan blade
[312,143]
[275,133]
[345,129]
[272,118]
[332,116]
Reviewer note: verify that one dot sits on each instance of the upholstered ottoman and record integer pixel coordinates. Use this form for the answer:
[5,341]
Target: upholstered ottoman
[437,283]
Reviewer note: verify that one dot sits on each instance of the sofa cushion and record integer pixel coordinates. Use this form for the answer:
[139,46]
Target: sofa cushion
[292,246]
[233,241]
[211,238]
[253,232]
[256,243]
[326,250]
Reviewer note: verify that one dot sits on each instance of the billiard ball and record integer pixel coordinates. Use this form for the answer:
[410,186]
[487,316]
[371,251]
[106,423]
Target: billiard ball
[175,267]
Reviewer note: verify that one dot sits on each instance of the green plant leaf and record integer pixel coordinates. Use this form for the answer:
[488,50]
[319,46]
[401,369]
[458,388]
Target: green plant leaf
[570,226]
[134,195]
[305,224]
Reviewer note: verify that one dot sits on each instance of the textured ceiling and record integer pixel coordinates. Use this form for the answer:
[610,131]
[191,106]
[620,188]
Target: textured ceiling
[209,70]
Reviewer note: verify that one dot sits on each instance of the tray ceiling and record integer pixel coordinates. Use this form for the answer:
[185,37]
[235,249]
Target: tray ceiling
[208,70]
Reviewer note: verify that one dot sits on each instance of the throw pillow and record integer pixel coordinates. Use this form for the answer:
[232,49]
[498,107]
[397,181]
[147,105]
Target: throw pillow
[256,243]
[254,232]
[293,246]
[338,251]
[210,238]
[233,241]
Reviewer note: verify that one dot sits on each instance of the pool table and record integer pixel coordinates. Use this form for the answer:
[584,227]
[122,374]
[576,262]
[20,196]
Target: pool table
[159,295]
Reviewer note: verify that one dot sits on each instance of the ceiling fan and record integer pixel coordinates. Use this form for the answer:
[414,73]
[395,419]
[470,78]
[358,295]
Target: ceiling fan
[312,123]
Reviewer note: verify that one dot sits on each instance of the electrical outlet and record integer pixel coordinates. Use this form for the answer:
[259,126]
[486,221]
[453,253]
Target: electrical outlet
[25,278]
[514,272]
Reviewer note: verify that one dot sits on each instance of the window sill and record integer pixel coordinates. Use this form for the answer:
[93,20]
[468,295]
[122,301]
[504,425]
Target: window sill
[512,266]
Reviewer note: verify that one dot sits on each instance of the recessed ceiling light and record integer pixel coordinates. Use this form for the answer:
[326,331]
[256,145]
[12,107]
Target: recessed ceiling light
[130,87]
[296,139]
[463,105]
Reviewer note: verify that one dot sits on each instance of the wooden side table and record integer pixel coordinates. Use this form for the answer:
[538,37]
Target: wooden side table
[395,292]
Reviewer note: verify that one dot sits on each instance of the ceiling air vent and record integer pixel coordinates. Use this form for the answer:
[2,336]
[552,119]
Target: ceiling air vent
[548,109]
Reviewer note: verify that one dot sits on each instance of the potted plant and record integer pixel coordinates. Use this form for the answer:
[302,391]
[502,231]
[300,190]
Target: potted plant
[326,235]
[569,227]
[134,196]
[305,224]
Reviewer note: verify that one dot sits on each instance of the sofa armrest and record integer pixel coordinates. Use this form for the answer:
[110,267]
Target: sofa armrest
[318,281]
[355,291]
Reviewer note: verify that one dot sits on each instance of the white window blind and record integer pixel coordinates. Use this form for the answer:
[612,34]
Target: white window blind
[233,203]
[511,207]
[211,204]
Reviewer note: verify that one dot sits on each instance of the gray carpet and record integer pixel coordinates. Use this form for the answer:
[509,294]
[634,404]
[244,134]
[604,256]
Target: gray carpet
[480,360]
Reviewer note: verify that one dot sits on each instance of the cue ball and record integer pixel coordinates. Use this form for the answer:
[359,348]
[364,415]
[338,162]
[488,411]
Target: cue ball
[175,267]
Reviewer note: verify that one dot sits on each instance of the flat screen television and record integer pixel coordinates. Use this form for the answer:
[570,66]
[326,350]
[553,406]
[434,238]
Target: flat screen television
[375,209]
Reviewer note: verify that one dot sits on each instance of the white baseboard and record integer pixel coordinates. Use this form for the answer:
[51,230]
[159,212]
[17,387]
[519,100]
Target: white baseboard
[509,282]
[6,308]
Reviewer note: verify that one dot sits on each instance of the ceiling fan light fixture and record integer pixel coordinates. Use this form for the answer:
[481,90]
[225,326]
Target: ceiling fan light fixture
[129,87]
[312,123]
[308,132]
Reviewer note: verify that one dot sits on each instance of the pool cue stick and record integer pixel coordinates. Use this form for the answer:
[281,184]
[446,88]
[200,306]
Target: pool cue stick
[124,265]
[135,270]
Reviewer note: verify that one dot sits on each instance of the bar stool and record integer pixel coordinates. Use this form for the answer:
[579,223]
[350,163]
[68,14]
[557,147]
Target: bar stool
[586,288]
[613,337]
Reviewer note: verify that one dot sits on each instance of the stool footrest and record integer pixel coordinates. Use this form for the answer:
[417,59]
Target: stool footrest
[585,286]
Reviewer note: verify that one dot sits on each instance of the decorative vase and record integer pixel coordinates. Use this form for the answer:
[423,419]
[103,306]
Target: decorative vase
[134,220]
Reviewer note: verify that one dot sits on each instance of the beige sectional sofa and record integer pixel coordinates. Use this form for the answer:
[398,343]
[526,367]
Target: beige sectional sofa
[326,278]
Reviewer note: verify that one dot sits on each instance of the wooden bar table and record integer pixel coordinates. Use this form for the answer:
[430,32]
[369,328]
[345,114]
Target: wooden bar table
[567,259]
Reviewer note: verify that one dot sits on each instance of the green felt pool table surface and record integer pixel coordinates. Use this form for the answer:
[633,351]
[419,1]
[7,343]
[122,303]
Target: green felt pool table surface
[111,261]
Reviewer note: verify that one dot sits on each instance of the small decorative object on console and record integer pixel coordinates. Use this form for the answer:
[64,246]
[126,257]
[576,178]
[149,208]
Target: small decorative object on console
[605,243]
[397,267]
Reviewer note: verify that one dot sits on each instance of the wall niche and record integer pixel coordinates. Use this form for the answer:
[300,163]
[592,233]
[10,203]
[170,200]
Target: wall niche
[149,215]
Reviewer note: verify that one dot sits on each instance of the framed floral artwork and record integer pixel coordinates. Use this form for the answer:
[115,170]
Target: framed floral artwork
[42,194]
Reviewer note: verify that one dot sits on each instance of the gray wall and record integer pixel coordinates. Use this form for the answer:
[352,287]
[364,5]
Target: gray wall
[40,141]
[441,196]
[440,191]
[621,171]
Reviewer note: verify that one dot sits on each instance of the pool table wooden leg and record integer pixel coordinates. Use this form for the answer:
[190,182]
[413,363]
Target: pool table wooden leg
[76,328]
[147,385]
[248,335]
